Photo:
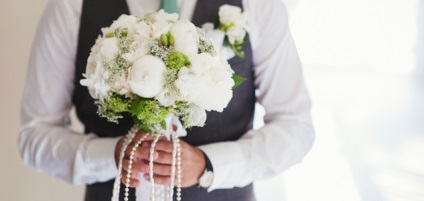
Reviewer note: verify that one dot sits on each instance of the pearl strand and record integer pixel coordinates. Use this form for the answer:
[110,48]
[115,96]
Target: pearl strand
[127,181]
[152,151]
[179,177]
[128,139]
[174,154]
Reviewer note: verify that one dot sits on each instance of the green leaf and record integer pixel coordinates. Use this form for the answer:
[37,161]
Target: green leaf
[163,124]
[137,106]
[238,80]
[145,128]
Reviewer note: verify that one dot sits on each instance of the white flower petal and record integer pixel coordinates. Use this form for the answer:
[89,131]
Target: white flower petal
[146,76]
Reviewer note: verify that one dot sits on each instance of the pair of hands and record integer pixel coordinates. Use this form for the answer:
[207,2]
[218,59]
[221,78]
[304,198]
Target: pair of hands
[192,161]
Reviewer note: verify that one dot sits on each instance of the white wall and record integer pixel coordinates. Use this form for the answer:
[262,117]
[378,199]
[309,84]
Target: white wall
[18,21]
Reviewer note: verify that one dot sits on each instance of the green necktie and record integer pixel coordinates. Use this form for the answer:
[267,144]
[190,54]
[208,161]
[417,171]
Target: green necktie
[169,6]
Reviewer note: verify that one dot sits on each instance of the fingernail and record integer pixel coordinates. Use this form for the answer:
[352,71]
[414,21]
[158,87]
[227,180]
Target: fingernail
[147,177]
[155,155]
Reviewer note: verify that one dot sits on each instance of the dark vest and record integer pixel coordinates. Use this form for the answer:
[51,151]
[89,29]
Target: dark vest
[229,125]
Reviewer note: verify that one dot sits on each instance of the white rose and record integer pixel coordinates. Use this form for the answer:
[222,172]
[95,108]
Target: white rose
[121,86]
[197,116]
[146,76]
[235,34]
[96,76]
[167,97]
[186,38]
[138,48]
[143,29]
[109,48]
[227,14]
[124,21]
[233,15]
[207,83]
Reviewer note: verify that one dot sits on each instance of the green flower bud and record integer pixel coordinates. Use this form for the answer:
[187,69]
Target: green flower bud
[171,40]
[110,35]
[164,40]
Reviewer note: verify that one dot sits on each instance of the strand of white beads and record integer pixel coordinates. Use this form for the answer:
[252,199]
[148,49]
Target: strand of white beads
[128,139]
[162,192]
[152,181]
[179,177]
[131,159]
[174,154]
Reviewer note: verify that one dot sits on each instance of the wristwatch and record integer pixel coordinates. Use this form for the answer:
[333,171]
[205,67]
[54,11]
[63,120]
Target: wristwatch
[205,181]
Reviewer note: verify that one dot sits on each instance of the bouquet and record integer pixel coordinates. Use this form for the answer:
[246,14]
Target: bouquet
[160,70]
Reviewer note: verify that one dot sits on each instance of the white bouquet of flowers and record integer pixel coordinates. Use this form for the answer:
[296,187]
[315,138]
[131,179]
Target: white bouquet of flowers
[158,69]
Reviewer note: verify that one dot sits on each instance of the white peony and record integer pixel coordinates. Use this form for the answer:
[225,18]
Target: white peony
[186,38]
[124,21]
[207,83]
[146,76]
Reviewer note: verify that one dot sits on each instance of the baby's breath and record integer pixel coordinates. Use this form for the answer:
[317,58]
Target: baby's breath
[205,44]
[160,51]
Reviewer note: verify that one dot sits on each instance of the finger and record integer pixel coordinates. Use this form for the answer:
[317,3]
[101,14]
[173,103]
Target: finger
[137,167]
[164,158]
[141,153]
[132,182]
[159,169]
[152,137]
[163,180]
[163,145]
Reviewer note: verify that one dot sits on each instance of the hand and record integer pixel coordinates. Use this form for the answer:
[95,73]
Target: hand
[192,163]
[141,157]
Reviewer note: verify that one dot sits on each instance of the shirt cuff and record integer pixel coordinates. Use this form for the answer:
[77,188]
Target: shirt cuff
[100,158]
[227,160]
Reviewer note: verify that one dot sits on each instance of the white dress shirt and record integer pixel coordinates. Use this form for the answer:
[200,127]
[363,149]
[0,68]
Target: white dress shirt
[47,143]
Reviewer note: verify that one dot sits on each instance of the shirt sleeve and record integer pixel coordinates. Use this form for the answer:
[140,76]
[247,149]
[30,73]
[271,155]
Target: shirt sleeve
[45,139]
[288,133]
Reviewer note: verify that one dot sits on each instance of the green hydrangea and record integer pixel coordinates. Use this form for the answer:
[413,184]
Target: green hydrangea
[149,114]
[177,60]
[112,107]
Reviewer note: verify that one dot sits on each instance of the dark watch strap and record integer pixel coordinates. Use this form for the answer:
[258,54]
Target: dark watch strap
[208,164]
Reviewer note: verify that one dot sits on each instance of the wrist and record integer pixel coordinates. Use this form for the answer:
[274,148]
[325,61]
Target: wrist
[206,178]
